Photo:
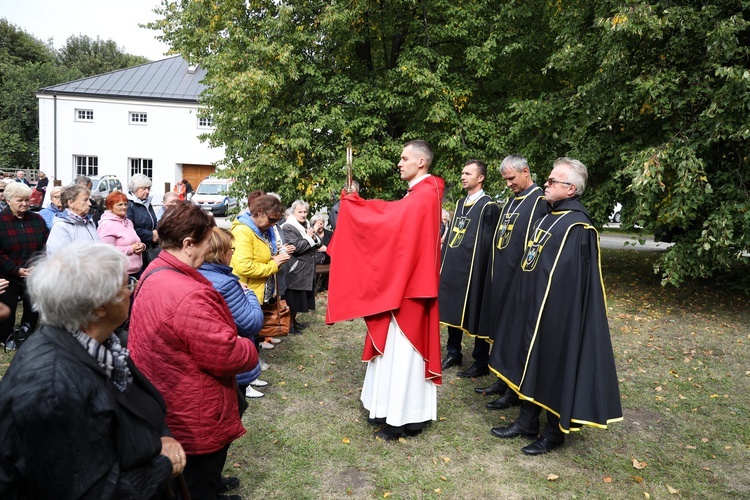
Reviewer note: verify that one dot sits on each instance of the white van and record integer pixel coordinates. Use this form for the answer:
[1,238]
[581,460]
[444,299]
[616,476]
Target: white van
[213,196]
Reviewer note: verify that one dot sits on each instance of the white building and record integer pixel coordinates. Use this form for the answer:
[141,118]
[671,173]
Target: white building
[142,119]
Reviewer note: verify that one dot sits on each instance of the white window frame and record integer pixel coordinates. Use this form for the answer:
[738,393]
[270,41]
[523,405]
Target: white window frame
[141,166]
[86,165]
[84,115]
[138,118]
[205,122]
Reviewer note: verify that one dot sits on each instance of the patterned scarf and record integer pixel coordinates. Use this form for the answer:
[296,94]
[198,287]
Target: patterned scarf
[111,356]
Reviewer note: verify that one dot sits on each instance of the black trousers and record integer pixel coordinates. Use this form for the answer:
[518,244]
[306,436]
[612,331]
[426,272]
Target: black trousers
[481,352]
[528,420]
[10,299]
[203,473]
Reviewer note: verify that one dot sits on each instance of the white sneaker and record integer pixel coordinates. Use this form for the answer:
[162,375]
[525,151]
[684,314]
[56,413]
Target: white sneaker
[263,365]
[252,393]
[266,345]
[258,383]
[274,340]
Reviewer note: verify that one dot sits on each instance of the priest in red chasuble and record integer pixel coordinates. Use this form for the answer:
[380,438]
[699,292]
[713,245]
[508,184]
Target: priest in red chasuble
[385,261]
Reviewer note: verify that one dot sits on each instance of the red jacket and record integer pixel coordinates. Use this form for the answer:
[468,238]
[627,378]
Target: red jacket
[183,338]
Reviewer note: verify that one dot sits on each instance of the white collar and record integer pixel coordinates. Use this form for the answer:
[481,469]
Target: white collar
[416,181]
[474,197]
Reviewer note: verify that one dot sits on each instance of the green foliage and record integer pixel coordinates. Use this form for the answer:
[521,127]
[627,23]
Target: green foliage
[94,57]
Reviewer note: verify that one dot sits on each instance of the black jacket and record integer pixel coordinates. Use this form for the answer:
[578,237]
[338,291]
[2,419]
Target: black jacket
[68,432]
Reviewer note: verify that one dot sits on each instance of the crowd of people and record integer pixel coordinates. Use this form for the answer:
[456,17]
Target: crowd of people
[152,324]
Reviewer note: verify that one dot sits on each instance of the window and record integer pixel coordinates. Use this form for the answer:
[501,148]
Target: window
[205,122]
[138,118]
[142,166]
[87,165]
[84,115]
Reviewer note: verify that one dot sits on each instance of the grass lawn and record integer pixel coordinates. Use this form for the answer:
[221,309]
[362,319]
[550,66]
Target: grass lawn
[684,369]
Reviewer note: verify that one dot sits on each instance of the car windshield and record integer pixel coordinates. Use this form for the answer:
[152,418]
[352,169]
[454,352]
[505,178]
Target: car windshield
[212,189]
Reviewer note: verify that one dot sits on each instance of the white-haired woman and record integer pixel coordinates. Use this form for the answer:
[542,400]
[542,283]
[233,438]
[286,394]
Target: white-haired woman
[55,206]
[300,278]
[22,235]
[142,214]
[79,419]
[74,223]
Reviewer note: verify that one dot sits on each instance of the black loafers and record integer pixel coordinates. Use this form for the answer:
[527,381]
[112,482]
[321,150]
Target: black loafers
[511,431]
[451,361]
[498,387]
[507,400]
[475,371]
[541,446]
[228,483]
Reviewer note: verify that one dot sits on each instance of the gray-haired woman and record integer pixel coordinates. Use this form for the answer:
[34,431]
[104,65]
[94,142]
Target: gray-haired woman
[300,278]
[142,214]
[74,223]
[79,419]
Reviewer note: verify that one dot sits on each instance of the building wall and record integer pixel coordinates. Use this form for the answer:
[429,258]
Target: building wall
[169,138]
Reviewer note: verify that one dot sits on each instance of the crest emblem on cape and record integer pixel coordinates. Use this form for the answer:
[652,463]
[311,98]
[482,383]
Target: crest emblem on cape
[505,230]
[534,249]
[459,229]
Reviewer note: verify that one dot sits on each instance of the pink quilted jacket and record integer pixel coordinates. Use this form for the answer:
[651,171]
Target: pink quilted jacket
[183,338]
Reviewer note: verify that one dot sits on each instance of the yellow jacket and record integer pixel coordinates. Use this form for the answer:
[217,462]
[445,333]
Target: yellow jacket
[251,261]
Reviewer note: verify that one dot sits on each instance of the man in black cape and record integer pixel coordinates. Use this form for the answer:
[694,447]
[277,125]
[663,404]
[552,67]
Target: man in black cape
[509,242]
[465,258]
[555,349]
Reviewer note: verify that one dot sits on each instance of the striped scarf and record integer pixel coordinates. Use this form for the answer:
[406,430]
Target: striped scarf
[111,356]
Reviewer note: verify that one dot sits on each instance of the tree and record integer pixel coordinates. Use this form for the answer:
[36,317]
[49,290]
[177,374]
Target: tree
[95,56]
[292,83]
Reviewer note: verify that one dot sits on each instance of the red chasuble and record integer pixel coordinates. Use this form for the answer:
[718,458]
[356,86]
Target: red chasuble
[385,259]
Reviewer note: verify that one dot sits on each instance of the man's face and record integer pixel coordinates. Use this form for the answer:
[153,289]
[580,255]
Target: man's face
[20,174]
[557,186]
[471,178]
[517,181]
[412,164]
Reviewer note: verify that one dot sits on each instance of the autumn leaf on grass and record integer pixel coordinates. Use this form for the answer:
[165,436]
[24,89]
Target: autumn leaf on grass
[607,479]
[638,465]
[552,477]
[346,441]
[672,490]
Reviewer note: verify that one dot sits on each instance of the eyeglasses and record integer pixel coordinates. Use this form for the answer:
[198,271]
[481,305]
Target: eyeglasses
[273,220]
[54,196]
[552,182]
[132,283]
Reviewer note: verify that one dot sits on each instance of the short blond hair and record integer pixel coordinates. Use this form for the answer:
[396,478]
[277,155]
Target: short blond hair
[221,243]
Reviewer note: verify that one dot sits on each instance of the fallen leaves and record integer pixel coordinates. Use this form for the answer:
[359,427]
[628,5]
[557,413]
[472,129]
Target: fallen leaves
[553,477]
[638,465]
[672,490]
[346,440]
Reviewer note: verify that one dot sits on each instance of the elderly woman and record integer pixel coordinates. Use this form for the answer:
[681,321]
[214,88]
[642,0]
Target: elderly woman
[321,257]
[243,303]
[79,419]
[182,336]
[3,203]
[22,234]
[55,206]
[257,257]
[74,223]
[117,230]
[141,214]
[300,278]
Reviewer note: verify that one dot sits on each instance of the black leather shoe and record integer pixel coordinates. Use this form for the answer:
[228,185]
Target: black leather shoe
[451,360]
[228,483]
[541,446]
[300,326]
[505,401]
[498,387]
[295,331]
[474,371]
[511,431]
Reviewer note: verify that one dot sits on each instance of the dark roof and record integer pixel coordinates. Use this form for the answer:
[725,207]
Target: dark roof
[169,79]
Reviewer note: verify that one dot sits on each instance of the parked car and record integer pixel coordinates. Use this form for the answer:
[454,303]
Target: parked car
[213,196]
[616,216]
[104,185]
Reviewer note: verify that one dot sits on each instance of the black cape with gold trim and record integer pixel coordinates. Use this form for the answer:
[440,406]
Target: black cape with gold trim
[555,347]
[508,244]
[465,260]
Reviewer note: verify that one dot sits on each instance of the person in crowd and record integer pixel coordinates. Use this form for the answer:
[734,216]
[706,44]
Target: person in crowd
[321,257]
[188,189]
[117,230]
[466,256]
[78,418]
[141,214]
[183,338]
[445,224]
[333,212]
[39,192]
[74,223]
[180,190]
[22,235]
[242,302]
[554,347]
[258,257]
[55,206]
[3,203]
[300,277]
[97,209]
[509,243]
[385,263]
[42,183]
[4,310]
[21,177]
[169,200]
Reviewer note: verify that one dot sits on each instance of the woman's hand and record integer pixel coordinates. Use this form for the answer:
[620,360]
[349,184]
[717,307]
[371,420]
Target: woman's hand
[24,272]
[171,449]
[3,285]
[322,248]
[310,231]
[280,258]
[139,248]
[155,237]
[290,248]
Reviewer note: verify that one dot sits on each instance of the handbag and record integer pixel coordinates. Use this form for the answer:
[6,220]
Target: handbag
[276,319]
[36,199]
